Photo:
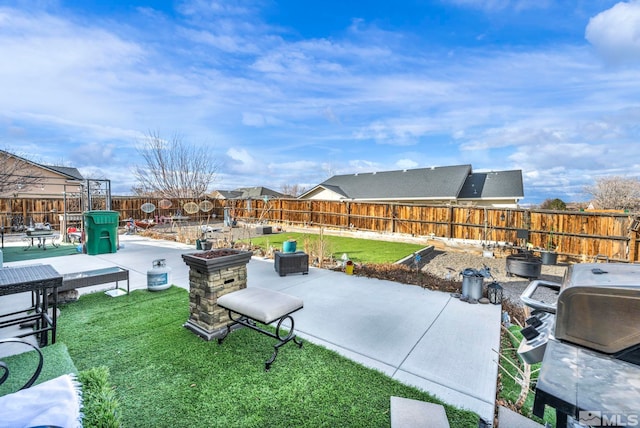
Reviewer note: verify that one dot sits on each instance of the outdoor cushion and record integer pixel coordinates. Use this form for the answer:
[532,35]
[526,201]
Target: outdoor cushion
[52,403]
[260,304]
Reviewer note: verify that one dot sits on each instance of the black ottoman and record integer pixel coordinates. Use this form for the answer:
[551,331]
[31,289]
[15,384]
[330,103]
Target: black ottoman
[286,263]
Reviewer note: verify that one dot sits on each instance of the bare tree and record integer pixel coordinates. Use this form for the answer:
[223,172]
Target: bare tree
[292,190]
[174,169]
[17,174]
[615,192]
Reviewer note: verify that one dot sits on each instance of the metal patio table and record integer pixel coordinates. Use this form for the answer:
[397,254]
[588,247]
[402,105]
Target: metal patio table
[41,281]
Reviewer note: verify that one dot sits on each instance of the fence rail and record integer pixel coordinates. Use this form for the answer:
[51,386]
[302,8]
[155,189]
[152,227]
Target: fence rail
[577,235]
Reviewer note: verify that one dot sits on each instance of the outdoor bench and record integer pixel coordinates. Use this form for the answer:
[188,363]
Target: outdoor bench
[252,305]
[88,278]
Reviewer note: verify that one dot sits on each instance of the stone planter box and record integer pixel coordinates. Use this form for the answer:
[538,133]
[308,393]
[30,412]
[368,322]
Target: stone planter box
[214,260]
[213,274]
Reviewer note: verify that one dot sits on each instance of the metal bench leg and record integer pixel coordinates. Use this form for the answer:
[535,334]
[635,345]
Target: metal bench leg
[283,340]
[248,322]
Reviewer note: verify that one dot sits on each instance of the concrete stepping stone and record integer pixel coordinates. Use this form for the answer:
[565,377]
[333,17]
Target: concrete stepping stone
[408,413]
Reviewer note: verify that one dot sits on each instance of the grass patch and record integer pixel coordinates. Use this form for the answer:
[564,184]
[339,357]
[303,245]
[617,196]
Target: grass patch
[358,249]
[17,253]
[509,387]
[56,362]
[164,375]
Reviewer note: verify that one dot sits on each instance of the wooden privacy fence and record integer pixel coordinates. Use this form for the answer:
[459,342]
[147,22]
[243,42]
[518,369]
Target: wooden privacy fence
[580,236]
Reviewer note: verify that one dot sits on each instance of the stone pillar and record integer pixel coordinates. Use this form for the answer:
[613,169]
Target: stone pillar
[209,279]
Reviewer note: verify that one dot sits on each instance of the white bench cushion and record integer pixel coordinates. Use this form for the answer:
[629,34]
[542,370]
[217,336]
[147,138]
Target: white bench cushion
[52,403]
[265,306]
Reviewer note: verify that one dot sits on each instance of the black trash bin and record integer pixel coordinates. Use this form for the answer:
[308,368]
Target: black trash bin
[101,232]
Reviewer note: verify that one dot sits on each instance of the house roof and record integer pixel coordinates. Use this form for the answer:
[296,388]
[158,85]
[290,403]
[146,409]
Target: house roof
[410,184]
[228,194]
[258,192]
[493,185]
[72,173]
[68,172]
[249,193]
[436,183]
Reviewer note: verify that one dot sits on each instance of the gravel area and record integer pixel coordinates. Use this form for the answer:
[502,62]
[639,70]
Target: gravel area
[450,264]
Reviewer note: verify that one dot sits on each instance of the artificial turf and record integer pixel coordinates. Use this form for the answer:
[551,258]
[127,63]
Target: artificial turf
[166,376]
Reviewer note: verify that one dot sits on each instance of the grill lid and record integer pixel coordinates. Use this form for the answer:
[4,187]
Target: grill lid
[599,307]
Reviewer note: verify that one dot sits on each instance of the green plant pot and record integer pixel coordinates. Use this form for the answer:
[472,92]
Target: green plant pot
[289,247]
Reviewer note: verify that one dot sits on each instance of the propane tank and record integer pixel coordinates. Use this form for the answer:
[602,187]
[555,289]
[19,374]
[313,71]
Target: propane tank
[159,276]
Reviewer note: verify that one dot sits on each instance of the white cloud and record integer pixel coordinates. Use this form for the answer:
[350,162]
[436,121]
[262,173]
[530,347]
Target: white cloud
[243,161]
[407,164]
[615,33]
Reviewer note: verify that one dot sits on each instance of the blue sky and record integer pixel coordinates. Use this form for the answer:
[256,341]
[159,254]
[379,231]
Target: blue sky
[293,92]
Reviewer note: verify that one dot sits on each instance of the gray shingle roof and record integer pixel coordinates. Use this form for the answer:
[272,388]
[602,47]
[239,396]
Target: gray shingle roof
[493,185]
[229,194]
[250,193]
[258,192]
[438,183]
[412,184]
[65,170]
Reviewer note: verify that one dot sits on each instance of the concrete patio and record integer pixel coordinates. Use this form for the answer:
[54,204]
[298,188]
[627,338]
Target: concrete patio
[422,338]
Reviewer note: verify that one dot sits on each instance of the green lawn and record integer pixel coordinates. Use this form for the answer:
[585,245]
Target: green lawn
[357,249]
[166,376]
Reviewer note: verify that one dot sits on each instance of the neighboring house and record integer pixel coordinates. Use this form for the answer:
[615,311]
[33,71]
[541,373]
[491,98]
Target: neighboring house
[27,179]
[247,193]
[436,185]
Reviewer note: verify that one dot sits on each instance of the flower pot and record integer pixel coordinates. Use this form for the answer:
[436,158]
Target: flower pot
[549,257]
[348,269]
[289,247]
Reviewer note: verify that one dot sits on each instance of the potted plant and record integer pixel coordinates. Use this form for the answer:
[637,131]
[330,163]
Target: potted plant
[549,255]
[202,243]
